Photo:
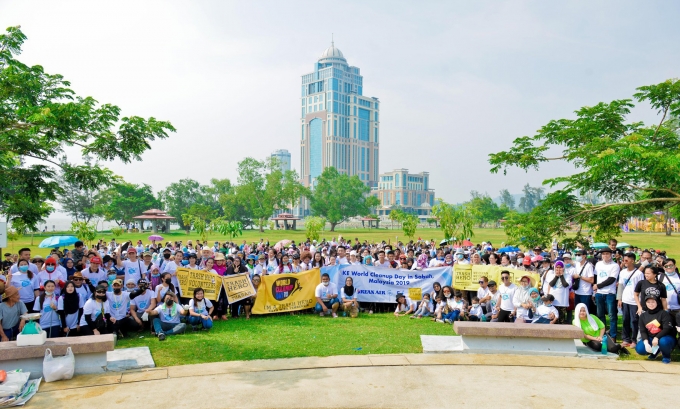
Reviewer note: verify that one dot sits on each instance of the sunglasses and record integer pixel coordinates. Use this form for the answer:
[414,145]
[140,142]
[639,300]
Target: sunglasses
[481,281]
[100,292]
[77,279]
[505,278]
[669,266]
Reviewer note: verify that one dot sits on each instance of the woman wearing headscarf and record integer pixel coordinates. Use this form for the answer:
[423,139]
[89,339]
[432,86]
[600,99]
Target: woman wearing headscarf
[657,331]
[558,284]
[522,301]
[70,267]
[70,309]
[593,330]
[348,295]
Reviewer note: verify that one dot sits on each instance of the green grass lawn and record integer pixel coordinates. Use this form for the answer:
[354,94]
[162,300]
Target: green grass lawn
[288,336]
[645,240]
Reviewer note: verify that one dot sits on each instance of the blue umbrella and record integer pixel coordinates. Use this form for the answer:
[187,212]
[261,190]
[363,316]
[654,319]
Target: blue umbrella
[508,249]
[57,241]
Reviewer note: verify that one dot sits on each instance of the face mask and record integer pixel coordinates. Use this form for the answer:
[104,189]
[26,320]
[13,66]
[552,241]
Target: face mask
[128,289]
[49,268]
[671,272]
[460,257]
[185,262]
[475,305]
[326,283]
[23,269]
[579,259]
[49,293]
[117,290]
[567,264]
[447,295]
[101,297]
[549,305]
[169,302]
[112,277]
[168,280]
[166,256]
[525,285]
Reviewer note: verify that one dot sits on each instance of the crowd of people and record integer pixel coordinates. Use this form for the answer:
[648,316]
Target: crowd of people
[125,287]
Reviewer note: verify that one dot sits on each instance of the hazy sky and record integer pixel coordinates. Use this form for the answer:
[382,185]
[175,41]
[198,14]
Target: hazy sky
[457,80]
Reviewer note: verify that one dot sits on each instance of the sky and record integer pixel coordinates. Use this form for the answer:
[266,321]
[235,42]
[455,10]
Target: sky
[457,80]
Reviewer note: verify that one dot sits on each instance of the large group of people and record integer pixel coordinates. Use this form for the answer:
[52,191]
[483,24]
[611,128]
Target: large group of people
[124,287]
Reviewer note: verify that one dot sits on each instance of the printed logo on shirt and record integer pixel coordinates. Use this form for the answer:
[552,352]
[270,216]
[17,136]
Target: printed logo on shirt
[142,305]
[117,305]
[25,283]
[652,291]
[47,308]
[131,271]
[602,274]
[506,297]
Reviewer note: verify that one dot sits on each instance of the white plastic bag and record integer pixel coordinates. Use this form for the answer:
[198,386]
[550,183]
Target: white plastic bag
[56,369]
[14,384]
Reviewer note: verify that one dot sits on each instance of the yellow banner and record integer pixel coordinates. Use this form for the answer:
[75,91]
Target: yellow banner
[238,287]
[466,276]
[415,293]
[189,279]
[287,292]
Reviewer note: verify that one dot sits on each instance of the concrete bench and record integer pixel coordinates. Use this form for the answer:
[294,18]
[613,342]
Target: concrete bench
[89,351]
[534,339]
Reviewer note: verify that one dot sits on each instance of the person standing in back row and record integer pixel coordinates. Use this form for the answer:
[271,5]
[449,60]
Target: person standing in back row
[507,293]
[606,273]
[628,279]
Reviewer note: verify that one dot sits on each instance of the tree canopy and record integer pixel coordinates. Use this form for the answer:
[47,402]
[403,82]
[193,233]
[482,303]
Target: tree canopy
[337,197]
[41,116]
[631,167]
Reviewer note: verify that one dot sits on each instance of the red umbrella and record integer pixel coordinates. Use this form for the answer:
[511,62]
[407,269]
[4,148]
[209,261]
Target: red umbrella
[467,243]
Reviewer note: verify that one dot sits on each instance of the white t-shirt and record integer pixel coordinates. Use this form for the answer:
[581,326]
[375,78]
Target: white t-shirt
[325,292]
[477,311]
[26,285]
[559,291]
[404,307]
[93,309]
[604,271]
[384,264]
[84,292]
[171,268]
[56,276]
[544,311]
[507,294]
[142,301]
[49,317]
[481,293]
[493,303]
[584,288]
[348,297]
[119,304]
[95,277]
[71,319]
[161,289]
[341,261]
[672,299]
[202,307]
[170,315]
[133,270]
[272,267]
[630,280]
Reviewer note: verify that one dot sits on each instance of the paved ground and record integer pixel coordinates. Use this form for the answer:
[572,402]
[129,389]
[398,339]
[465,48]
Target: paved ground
[375,381]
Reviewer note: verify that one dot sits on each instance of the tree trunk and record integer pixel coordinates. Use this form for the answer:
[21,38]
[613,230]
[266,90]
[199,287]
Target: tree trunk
[333,226]
[261,225]
[668,222]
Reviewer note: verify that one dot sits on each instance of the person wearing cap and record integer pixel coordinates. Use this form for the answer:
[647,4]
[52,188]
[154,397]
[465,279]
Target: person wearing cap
[167,317]
[220,265]
[147,264]
[606,274]
[93,274]
[142,300]
[171,268]
[54,272]
[460,257]
[132,267]
[526,264]
[11,310]
[404,306]
[558,285]
[119,302]
[167,253]
[7,262]
[657,331]
[583,279]
[353,260]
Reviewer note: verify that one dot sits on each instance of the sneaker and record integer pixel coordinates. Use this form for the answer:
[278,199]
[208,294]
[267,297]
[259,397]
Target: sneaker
[448,321]
[666,360]
[652,357]
[370,311]
[335,315]
[440,321]
[321,314]
[413,316]
[161,337]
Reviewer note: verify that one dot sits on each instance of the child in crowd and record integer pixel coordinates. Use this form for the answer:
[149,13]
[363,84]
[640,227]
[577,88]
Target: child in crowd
[546,313]
[475,311]
[425,307]
[438,306]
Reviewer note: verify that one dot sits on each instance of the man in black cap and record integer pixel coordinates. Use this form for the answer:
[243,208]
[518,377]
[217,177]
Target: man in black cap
[606,274]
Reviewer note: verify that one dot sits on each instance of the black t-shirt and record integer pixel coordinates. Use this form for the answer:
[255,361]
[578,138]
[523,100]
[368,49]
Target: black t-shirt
[645,288]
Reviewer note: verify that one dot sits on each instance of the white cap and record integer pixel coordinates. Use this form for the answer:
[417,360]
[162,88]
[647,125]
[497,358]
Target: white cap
[353,253]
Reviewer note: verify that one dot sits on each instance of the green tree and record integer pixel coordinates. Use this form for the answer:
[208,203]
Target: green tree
[455,221]
[178,198]
[292,189]
[633,168]
[260,188]
[507,199]
[484,209]
[313,226]
[199,217]
[231,229]
[84,231]
[78,202]
[117,232]
[40,115]
[122,202]
[337,197]
[532,197]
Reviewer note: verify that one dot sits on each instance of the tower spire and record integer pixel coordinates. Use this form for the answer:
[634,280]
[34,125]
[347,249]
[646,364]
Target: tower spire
[332,41]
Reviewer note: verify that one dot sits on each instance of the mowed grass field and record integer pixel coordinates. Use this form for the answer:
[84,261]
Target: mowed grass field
[497,236]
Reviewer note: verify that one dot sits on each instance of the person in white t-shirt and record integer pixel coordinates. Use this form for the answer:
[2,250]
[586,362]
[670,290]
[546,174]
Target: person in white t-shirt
[606,273]
[381,262]
[341,258]
[671,280]
[142,300]
[483,293]
[404,306]
[507,292]
[558,284]
[629,276]
[583,272]
[132,267]
[119,304]
[326,295]
[200,310]
[167,317]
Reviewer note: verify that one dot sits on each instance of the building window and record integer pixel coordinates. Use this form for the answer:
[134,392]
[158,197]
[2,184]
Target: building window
[315,148]
[364,121]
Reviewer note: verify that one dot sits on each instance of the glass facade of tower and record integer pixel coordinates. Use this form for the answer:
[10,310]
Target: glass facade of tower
[339,125]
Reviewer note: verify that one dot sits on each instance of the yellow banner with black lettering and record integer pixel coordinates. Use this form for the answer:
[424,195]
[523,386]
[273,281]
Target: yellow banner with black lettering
[190,279]
[467,276]
[287,292]
[238,287]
